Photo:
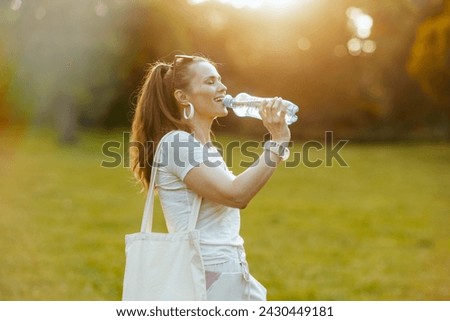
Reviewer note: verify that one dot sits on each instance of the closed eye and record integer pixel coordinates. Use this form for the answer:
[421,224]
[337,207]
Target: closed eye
[212,80]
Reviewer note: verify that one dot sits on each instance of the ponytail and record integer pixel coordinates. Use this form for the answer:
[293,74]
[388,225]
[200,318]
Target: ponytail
[156,114]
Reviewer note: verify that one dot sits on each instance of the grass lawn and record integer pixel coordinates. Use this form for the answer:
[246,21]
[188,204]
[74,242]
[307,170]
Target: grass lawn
[376,230]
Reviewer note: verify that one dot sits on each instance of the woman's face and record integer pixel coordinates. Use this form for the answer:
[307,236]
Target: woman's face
[206,91]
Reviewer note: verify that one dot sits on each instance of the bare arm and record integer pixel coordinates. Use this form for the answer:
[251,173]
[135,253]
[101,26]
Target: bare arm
[214,184]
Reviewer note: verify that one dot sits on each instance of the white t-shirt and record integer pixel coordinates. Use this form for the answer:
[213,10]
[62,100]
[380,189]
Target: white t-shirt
[219,225]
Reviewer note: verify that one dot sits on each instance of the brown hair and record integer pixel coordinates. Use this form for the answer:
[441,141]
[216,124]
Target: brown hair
[157,111]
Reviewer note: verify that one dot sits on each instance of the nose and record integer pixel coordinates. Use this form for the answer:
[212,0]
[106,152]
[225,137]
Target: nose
[222,87]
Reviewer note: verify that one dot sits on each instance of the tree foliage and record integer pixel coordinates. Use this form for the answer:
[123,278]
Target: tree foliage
[430,57]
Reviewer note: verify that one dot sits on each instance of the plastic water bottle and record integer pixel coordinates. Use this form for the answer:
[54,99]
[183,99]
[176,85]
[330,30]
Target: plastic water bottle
[245,105]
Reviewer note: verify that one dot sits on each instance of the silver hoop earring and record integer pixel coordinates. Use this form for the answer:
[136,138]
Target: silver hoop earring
[191,112]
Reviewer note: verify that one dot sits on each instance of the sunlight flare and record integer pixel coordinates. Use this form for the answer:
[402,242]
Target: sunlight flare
[253,4]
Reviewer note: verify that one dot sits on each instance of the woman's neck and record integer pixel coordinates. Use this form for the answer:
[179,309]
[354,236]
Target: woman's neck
[202,130]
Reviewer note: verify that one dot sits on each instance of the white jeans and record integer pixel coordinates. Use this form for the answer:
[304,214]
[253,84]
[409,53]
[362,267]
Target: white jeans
[231,281]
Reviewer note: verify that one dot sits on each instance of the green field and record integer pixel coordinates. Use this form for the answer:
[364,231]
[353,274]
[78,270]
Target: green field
[376,230]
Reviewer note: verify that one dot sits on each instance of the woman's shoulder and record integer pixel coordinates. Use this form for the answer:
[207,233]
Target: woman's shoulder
[175,133]
[178,136]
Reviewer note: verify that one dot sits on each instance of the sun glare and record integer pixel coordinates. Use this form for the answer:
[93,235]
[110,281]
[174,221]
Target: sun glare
[254,4]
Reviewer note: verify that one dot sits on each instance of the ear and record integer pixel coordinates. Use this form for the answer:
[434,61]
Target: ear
[181,97]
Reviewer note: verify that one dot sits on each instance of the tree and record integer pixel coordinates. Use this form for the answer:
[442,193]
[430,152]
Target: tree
[429,61]
[148,31]
[64,52]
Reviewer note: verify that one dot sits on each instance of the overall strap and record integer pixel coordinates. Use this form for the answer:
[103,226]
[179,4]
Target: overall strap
[147,217]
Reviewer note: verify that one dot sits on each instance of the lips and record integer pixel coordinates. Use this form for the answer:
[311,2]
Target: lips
[219,99]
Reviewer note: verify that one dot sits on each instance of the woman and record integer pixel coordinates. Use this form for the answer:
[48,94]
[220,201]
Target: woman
[178,102]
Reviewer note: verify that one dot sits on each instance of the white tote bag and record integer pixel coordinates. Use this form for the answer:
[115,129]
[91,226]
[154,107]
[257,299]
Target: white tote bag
[163,266]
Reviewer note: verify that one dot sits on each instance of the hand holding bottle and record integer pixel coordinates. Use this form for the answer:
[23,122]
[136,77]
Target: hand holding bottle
[273,114]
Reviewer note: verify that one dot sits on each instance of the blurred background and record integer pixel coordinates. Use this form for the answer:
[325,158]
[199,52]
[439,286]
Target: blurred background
[364,69]
[376,73]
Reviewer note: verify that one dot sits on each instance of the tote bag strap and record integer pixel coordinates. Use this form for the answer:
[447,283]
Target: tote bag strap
[147,217]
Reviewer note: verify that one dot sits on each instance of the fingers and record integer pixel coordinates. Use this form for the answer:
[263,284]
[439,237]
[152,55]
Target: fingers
[273,113]
[282,111]
[263,108]
[273,110]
